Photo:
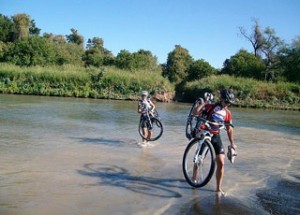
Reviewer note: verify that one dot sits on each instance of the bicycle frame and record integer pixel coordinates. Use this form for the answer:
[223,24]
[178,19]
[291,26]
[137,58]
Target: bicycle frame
[203,135]
[149,115]
[198,158]
[149,119]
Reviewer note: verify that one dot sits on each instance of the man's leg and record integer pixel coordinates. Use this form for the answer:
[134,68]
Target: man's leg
[220,159]
[145,133]
[149,134]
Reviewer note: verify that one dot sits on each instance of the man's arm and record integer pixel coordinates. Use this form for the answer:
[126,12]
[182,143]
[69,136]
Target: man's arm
[139,110]
[230,136]
[198,110]
[152,105]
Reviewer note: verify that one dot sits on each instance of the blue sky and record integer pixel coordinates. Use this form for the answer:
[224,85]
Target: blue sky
[207,28]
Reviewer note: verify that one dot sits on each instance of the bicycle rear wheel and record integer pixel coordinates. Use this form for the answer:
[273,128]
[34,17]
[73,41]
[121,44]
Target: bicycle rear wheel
[154,126]
[190,126]
[192,119]
[198,162]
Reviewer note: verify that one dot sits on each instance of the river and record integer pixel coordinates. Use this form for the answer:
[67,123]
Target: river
[80,156]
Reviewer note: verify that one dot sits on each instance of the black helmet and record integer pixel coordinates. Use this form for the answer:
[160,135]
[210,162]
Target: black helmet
[227,96]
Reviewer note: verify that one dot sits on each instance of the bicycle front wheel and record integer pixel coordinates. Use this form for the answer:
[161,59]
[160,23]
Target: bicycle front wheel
[198,162]
[151,129]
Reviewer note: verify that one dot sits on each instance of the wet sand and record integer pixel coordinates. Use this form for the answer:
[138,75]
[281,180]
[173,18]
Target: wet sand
[68,156]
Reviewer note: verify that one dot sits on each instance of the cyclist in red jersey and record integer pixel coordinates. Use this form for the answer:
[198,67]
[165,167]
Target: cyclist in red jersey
[219,112]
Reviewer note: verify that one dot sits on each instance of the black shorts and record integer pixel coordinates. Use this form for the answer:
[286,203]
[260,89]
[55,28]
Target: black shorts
[145,123]
[217,144]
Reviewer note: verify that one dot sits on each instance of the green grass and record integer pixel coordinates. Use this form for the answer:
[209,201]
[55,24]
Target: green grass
[113,83]
[68,80]
[250,92]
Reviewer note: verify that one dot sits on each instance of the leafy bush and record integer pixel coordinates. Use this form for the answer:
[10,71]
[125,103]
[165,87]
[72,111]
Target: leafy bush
[68,80]
[249,92]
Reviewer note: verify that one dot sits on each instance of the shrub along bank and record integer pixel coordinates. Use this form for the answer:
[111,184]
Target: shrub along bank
[250,92]
[72,81]
[113,83]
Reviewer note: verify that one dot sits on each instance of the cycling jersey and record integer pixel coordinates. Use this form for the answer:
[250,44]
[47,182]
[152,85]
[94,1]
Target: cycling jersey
[144,105]
[216,113]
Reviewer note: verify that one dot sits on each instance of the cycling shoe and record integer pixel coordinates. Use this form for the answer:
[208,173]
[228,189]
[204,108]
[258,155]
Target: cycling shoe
[231,154]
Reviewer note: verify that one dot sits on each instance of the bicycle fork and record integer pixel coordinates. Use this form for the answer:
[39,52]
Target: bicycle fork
[199,156]
[201,152]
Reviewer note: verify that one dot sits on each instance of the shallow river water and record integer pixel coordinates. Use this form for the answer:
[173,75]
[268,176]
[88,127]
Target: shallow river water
[80,156]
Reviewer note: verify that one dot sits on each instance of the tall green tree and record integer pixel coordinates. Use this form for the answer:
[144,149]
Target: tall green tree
[68,53]
[22,23]
[96,54]
[75,37]
[271,47]
[290,61]
[266,45]
[292,65]
[178,63]
[200,69]
[56,39]
[33,30]
[7,29]
[144,59]
[244,64]
[93,57]
[124,59]
[65,53]
[31,51]
[4,50]
[95,42]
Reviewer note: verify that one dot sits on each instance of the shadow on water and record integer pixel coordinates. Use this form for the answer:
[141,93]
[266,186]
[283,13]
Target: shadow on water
[107,142]
[112,175]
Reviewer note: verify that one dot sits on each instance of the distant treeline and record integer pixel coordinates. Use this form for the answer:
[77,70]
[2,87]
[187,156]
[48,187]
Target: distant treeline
[272,61]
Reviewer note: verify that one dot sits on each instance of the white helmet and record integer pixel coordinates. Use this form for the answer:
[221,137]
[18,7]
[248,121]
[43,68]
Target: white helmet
[144,93]
[208,96]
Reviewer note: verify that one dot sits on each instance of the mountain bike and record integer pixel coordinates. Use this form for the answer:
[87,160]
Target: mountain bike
[153,124]
[192,119]
[199,156]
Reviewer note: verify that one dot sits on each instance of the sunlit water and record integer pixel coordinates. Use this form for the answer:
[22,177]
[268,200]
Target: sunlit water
[80,156]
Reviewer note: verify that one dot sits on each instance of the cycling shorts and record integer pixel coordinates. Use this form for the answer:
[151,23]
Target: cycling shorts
[217,144]
[145,123]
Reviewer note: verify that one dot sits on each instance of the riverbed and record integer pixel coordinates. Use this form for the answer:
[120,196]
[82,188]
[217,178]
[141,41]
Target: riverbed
[80,156]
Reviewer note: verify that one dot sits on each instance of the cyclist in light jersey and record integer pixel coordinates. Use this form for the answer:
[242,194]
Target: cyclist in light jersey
[219,113]
[145,105]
